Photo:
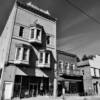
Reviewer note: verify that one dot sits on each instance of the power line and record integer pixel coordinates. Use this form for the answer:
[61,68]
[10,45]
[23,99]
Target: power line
[82,11]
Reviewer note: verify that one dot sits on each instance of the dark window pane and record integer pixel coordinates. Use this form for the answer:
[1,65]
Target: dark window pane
[21,31]
[32,33]
[0,73]
[41,57]
[47,58]
[48,39]
[38,34]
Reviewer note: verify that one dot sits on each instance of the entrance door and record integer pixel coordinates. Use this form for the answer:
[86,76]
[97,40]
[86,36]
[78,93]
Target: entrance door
[59,89]
[95,88]
[8,90]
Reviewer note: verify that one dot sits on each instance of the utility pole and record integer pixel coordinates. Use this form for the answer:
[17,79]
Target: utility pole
[55,81]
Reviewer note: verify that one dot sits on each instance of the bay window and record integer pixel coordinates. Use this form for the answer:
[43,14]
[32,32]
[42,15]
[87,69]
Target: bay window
[35,35]
[44,59]
[22,54]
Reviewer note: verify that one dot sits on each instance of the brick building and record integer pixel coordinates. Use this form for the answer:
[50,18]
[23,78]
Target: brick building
[69,76]
[91,75]
[27,52]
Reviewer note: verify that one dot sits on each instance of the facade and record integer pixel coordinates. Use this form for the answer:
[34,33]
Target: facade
[91,75]
[28,52]
[69,77]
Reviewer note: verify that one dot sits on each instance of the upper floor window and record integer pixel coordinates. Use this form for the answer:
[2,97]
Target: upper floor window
[47,58]
[60,66]
[92,71]
[66,66]
[25,53]
[32,33]
[36,33]
[18,53]
[41,57]
[44,57]
[0,73]
[99,72]
[22,53]
[48,40]
[21,31]
[71,66]
[74,67]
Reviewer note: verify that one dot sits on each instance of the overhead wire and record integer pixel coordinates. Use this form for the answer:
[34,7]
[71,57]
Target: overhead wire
[82,11]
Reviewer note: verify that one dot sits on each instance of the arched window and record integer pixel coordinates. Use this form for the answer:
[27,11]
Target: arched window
[60,66]
[66,66]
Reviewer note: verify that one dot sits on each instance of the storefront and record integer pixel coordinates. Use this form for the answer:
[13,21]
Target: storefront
[29,86]
[71,86]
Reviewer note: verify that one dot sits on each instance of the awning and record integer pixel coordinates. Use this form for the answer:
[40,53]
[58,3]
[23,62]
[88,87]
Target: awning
[31,72]
[65,79]
[40,73]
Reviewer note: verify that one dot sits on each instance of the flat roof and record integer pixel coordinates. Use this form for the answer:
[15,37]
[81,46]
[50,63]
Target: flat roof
[83,63]
[66,53]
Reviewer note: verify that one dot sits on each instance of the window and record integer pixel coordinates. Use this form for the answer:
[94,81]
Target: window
[71,66]
[22,53]
[60,66]
[94,72]
[21,31]
[66,66]
[99,72]
[25,54]
[38,34]
[32,33]
[47,58]
[44,57]
[18,54]
[41,57]
[48,39]
[0,72]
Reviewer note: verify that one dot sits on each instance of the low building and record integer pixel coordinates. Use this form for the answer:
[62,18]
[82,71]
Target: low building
[27,52]
[69,76]
[91,75]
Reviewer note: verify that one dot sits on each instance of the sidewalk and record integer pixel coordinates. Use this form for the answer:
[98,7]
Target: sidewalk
[61,98]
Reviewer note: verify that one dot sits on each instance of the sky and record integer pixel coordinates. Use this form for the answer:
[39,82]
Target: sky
[76,33]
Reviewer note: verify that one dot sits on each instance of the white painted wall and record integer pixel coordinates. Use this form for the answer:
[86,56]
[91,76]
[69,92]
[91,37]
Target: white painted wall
[95,62]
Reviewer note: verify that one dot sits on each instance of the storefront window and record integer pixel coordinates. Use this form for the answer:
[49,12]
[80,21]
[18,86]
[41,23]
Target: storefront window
[28,86]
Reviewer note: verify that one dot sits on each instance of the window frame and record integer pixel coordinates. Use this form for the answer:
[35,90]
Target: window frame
[44,57]
[39,38]
[22,53]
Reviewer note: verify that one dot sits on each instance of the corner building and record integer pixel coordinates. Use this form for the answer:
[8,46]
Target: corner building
[29,52]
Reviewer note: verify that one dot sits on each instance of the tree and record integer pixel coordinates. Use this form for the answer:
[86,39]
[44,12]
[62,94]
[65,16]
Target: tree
[85,57]
[78,59]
